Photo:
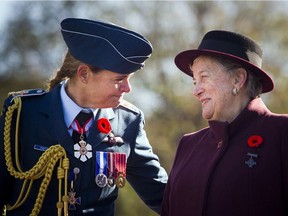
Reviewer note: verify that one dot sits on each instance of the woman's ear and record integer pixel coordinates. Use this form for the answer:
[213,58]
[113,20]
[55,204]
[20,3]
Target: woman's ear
[82,73]
[240,78]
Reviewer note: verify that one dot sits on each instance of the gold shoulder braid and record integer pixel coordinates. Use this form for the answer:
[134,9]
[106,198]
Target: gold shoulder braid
[44,167]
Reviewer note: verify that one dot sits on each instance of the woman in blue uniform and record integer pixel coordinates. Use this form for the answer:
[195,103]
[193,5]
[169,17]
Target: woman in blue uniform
[68,150]
[238,165]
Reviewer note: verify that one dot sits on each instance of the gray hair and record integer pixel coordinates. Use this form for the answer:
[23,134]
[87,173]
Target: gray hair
[252,84]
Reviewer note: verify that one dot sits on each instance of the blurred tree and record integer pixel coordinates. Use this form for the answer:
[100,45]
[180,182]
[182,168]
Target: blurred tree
[32,48]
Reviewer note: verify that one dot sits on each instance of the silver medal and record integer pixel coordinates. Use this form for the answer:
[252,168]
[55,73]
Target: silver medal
[101,180]
[111,181]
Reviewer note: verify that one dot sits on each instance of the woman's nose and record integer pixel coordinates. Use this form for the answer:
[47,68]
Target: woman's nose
[197,90]
[125,87]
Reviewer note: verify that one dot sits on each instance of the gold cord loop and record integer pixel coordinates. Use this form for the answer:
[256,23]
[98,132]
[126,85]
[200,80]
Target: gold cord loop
[43,168]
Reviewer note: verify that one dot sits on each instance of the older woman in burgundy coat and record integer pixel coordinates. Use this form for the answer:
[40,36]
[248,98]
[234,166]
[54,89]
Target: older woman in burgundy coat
[238,165]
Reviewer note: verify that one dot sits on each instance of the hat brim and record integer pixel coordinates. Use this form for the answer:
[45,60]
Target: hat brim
[184,59]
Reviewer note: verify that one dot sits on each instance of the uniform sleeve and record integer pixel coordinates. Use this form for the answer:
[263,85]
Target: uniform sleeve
[144,171]
[5,178]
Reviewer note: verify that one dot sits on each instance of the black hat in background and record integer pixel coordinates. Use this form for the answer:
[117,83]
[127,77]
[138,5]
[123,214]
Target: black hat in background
[230,45]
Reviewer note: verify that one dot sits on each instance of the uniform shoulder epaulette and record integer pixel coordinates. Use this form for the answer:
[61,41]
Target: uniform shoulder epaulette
[23,93]
[129,106]
[26,93]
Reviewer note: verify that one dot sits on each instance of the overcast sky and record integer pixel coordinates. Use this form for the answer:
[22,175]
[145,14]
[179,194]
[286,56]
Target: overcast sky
[5,10]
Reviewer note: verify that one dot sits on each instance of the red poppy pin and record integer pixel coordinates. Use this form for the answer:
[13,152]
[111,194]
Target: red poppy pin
[254,141]
[104,125]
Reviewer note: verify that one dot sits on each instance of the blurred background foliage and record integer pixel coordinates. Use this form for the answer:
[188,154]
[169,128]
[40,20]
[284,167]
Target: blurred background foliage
[32,49]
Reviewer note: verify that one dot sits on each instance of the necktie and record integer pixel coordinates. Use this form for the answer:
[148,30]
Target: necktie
[80,125]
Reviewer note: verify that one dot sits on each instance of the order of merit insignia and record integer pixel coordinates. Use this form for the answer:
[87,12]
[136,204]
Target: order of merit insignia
[110,169]
[82,150]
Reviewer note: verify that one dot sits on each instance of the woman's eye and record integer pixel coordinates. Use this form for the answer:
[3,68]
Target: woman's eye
[118,79]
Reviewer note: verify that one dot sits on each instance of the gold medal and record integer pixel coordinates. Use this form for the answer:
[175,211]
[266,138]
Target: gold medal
[121,169]
[120,181]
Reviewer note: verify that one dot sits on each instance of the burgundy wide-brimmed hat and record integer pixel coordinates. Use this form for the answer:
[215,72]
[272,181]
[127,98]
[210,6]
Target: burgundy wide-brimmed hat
[230,45]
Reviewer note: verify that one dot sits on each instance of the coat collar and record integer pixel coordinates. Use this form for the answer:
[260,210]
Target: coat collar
[255,109]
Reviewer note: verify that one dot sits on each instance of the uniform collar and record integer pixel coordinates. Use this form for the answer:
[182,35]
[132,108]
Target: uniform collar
[70,108]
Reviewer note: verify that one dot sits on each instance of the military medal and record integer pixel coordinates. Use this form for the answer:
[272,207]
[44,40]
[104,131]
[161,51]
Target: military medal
[82,150]
[114,141]
[73,200]
[120,180]
[111,139]
[253,141]
[251,161]
[101,169]
[101,180]
[121,169]
[111,181]
[111,164]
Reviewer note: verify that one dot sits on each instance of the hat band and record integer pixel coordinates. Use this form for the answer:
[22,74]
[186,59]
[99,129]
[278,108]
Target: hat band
[231,49]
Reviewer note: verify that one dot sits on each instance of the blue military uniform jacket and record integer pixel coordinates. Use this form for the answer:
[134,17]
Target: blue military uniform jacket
[42,125]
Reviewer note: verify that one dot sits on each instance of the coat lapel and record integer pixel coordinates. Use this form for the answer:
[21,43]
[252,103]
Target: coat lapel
[55,124]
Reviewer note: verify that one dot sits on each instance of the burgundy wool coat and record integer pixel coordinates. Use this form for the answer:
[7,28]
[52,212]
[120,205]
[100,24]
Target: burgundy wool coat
[216,172]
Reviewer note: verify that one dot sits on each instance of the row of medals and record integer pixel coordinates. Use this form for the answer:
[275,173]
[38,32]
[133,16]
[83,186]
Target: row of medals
[82,149]
[102,180]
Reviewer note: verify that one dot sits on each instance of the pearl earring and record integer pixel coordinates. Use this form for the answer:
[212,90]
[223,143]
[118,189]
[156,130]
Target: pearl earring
[235,91]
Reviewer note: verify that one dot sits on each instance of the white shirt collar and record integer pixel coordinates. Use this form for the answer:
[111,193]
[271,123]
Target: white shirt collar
[70,108]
